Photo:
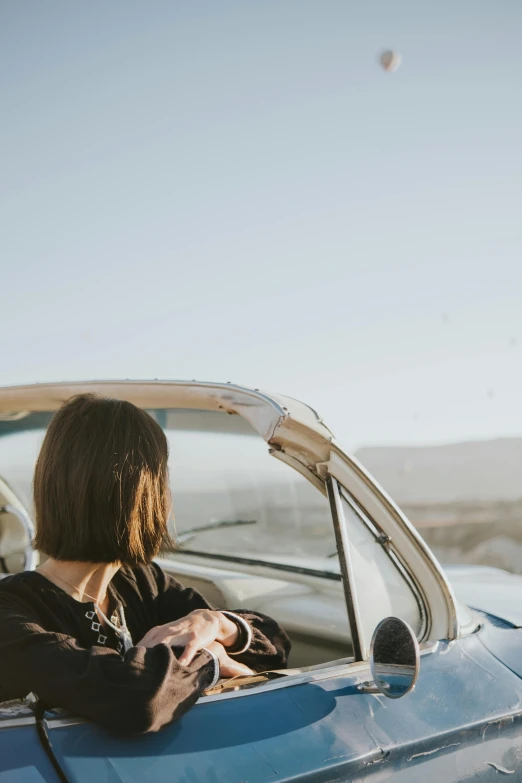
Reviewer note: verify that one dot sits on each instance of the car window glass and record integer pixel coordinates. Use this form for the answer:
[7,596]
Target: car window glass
[382,590]
[231,497]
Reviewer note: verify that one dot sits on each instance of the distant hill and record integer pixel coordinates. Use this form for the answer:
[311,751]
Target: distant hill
[465,498]
[475,472]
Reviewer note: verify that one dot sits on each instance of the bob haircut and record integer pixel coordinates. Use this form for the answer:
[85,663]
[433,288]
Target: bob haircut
[101,489]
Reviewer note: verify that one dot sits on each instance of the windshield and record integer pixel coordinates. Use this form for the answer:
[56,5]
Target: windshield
[230,496]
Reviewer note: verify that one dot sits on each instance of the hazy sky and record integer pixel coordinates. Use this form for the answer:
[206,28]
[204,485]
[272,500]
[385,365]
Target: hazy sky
[234,190]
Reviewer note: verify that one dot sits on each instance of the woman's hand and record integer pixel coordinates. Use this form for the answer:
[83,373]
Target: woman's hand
[198,629]
[227,666]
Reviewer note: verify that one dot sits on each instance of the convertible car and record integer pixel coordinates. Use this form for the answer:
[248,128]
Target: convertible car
[400,670]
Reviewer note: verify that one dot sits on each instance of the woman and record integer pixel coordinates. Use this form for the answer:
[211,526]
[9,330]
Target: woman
[98,628]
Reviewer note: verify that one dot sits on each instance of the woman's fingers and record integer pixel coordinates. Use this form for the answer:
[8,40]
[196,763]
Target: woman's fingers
[191,649]
[196,630]
[173,638]
[231,668]
[228,666]
[163,634]
[149,640]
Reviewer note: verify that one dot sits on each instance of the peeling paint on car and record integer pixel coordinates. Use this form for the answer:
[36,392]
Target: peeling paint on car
[500,769]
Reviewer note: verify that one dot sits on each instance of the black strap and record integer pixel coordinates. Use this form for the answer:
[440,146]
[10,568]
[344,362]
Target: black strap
[41,728]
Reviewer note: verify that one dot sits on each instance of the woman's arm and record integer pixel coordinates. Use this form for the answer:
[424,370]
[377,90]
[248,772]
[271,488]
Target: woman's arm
[269,645]
[265,647]
[132,695]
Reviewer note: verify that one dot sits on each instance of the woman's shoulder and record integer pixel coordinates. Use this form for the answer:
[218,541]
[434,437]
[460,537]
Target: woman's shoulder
[15,584]
[17,590]
[147,580]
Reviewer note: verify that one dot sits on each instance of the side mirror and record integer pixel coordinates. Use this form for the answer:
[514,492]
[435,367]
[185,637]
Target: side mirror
[394,659]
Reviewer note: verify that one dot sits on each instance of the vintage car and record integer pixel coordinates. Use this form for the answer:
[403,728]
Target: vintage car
[272,514]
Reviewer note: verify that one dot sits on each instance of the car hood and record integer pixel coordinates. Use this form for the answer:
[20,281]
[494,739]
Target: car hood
[490,590]
[487,589]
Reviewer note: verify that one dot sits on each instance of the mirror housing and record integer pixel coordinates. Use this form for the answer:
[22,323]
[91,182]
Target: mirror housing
[394,659]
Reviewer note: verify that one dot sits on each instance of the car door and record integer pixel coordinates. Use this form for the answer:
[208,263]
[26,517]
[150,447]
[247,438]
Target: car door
[461,722]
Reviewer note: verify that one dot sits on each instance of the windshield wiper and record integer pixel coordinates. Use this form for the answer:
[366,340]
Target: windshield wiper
[187,535]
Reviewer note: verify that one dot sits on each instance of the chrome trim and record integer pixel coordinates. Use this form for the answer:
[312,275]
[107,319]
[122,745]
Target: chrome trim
[411,532]
[343,549]
[62,723]
[294,463]
[388,546]
[427,648]
[12,723]
[368,687]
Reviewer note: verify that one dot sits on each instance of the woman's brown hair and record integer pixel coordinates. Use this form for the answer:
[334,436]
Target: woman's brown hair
[101,489]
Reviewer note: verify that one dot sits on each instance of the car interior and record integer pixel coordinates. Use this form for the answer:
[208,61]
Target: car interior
[309,607]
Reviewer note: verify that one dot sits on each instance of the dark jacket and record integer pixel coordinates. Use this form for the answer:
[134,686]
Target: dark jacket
[50,645]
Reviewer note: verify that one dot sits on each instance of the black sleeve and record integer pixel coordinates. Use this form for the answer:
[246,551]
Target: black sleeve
[270,645]
[132,695]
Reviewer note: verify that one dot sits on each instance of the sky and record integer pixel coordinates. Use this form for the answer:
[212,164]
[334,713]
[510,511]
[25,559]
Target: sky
[236,191]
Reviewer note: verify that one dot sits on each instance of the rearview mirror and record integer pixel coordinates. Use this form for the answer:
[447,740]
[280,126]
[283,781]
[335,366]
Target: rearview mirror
[394,659]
